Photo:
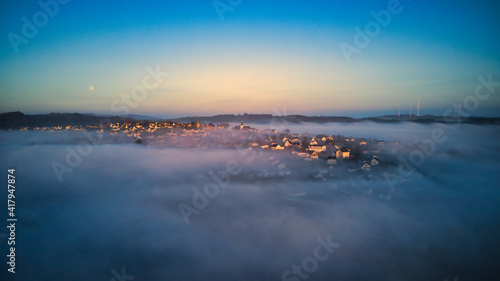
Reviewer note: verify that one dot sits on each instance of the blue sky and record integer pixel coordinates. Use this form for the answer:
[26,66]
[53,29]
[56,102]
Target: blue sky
[261,58]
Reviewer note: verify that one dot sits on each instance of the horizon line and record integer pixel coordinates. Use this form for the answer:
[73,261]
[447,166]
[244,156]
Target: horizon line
[413,116]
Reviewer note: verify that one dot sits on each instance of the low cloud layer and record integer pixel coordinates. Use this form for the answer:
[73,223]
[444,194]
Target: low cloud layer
[120,209]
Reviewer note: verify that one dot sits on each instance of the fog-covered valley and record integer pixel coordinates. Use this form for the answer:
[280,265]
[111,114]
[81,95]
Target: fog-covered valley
[165,213]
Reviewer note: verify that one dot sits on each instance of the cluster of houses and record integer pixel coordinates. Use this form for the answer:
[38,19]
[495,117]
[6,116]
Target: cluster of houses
[327,148]
[53,128]
[330,149]
[372,161]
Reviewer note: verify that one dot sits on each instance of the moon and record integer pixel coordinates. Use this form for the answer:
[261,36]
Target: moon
[91,88]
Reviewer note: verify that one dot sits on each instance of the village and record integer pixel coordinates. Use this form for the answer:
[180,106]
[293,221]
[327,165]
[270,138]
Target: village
[328,156]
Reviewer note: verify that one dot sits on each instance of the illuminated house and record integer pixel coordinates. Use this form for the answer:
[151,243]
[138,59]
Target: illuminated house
[344,152]
[317,147]
[277,147]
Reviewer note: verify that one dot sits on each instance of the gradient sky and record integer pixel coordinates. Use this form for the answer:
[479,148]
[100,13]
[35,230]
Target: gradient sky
[264,57]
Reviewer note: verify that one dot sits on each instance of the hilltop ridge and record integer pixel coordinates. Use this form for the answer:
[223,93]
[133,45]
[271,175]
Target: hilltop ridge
[17,119]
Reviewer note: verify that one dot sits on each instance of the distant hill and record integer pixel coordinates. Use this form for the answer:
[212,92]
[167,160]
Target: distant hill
[263,118]
[434,119]
[269,119]
[15,120]
[142,117]
[131,116]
